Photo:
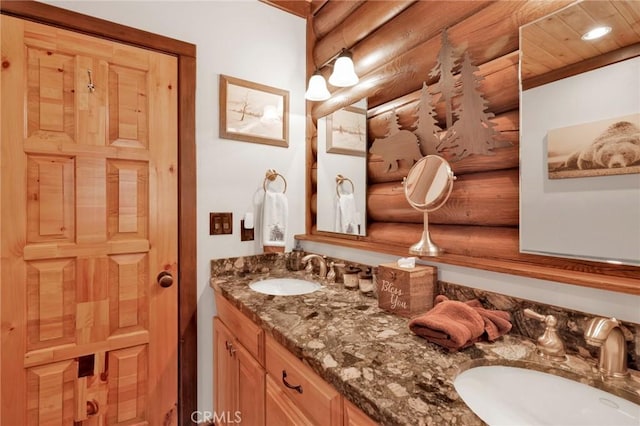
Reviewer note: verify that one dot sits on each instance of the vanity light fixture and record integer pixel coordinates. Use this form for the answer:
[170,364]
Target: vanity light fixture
[344,74]
[317,90]
[596,33]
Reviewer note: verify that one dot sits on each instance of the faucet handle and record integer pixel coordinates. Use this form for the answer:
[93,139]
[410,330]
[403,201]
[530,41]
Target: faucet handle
[550,344]
[331,274]
[530,313]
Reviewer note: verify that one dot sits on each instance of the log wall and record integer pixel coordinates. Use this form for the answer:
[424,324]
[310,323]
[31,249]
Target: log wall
[394,46]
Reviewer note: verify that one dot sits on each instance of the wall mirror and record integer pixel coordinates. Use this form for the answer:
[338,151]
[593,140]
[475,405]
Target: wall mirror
[427,187]
[579,134]
[342,170]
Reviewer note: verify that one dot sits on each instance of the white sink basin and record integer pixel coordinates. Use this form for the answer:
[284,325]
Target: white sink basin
[502,395]
[284,286]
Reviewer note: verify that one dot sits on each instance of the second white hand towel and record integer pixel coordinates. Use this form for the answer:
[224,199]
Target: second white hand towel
[346,214]
[275,212]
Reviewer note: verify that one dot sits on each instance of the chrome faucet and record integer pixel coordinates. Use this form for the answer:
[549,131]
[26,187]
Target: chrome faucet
[606,333]
[550,344]
[321,263]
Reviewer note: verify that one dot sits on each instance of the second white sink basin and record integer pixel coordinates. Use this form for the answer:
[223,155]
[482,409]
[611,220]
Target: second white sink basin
[503,395]
[284,286]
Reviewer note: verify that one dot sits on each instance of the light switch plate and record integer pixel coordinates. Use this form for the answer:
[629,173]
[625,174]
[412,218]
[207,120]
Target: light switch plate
[220,223]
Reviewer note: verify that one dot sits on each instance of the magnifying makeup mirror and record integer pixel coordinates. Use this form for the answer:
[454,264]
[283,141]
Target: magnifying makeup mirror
[427,187]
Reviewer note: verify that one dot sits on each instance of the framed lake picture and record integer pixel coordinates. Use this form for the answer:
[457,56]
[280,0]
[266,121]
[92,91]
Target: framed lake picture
[253,112]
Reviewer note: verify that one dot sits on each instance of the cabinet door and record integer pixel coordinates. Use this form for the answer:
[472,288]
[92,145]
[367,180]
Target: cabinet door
[250,388]
[280,410]
[225,371]
[353,416]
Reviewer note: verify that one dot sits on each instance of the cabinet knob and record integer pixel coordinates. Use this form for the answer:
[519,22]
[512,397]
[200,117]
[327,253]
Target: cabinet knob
[297,388]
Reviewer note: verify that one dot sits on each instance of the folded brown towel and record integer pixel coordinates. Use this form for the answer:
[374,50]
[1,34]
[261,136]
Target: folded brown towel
[457,325]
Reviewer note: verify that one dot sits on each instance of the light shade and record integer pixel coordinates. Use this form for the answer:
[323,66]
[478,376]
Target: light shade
[344,74]
[317,90]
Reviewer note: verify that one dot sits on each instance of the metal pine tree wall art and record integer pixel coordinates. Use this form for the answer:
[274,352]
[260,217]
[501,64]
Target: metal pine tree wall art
[427,128]
[468,129]
[473,132]
[444,70]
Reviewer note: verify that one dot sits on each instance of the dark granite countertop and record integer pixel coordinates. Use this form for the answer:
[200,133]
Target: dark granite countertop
[372,357]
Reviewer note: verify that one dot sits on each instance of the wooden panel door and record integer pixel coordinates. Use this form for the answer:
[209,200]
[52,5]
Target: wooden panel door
[88,221]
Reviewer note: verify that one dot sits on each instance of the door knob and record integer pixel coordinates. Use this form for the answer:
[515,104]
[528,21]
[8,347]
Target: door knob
[165,279]
[92,407]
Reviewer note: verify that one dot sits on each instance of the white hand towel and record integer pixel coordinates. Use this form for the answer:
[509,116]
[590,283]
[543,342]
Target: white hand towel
[346,214]
[275,211]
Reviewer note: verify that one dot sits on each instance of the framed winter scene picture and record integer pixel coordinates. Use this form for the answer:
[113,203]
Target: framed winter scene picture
[347,131]
[253,112]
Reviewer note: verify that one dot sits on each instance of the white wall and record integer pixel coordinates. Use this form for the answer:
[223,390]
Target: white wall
[248,40]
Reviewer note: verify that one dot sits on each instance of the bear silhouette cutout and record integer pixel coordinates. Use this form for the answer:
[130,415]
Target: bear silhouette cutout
[402,145]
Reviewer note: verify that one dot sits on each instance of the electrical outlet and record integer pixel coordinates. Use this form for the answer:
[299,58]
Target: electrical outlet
[245,234]
[220,223]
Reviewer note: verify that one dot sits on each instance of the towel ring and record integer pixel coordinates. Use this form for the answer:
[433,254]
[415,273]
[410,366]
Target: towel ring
[272,175]
[341,180]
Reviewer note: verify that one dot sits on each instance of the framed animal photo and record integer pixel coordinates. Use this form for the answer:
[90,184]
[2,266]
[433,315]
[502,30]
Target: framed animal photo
[599,148]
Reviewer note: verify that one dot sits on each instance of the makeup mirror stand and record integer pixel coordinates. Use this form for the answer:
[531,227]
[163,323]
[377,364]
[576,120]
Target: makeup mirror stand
[425,247]
[427,187]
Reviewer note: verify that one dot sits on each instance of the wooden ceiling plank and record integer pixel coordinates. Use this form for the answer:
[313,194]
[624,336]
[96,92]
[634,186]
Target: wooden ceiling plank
[296,7]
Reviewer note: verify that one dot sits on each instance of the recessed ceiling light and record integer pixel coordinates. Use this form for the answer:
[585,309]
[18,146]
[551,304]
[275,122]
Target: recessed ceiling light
[596,33]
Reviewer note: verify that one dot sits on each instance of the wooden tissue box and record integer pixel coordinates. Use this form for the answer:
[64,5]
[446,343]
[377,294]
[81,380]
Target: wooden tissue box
[406,291]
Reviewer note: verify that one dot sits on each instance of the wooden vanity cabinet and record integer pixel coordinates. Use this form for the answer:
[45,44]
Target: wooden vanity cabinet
[259,382]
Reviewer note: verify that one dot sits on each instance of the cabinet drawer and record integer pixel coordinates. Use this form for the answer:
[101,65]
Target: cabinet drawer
[250,335]
[320,402]
[281,410]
